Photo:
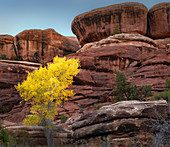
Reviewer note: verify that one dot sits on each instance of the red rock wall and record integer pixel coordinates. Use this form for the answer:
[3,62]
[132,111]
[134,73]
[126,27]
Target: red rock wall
[11,73]
[138,56]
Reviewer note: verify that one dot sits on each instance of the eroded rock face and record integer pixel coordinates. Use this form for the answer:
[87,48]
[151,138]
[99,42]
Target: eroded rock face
[7,46]
[101,23]
[140,58]
[43,45]
[11,73]
[159,21]
[132,121]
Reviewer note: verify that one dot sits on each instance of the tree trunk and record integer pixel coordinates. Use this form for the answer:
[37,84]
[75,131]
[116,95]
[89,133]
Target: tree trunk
[49,133]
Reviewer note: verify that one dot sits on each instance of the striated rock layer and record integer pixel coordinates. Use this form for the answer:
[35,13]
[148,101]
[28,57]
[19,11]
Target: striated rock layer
[126,123]
[159,21]
[12,72]
[142,60]
[101,23]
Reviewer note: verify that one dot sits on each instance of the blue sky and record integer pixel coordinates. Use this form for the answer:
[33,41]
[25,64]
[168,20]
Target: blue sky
[19,15]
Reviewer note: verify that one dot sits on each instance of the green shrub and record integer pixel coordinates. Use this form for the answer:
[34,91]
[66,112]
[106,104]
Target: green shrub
[81,111]
[4,137]
[3,110]
[36,57]
[125,91]
[98,107]
[67,53]
[165,94]
[3,56]
[116,31]
[63,118]
[15,58]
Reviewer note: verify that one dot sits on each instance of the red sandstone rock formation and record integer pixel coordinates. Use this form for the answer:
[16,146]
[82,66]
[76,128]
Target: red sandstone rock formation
[138,56]
[12,72]
[142,60]
[101,23]
[159,21]
[6,46]
[43,45]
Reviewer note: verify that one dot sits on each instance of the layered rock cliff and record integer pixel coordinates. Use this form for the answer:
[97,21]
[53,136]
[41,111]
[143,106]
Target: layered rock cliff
[139,57]
[11,73]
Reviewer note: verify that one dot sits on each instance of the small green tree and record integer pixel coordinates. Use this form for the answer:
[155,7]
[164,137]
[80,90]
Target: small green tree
[3,56]
[166,94]
[4,137]
[63,118]
[125,91]
[116,31]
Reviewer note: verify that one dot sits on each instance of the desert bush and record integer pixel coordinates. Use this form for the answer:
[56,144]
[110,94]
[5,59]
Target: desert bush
[4,137]
[165,94]
[125,91]
[15,58]
[3,56]
[63,118]
[116,31]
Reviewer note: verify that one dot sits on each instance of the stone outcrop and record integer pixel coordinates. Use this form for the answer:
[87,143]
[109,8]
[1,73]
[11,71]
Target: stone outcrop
[7,46]
[100,23]
[159,21]
[43,45]
[35,135]
[126,123]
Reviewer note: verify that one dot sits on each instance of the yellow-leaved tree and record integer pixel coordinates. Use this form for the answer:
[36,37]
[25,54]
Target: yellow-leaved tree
[47,88]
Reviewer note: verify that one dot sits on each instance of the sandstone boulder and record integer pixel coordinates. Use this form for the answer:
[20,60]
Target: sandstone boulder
[127,123]
[159,21]
[43,45]
[101,23]
[7,46]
